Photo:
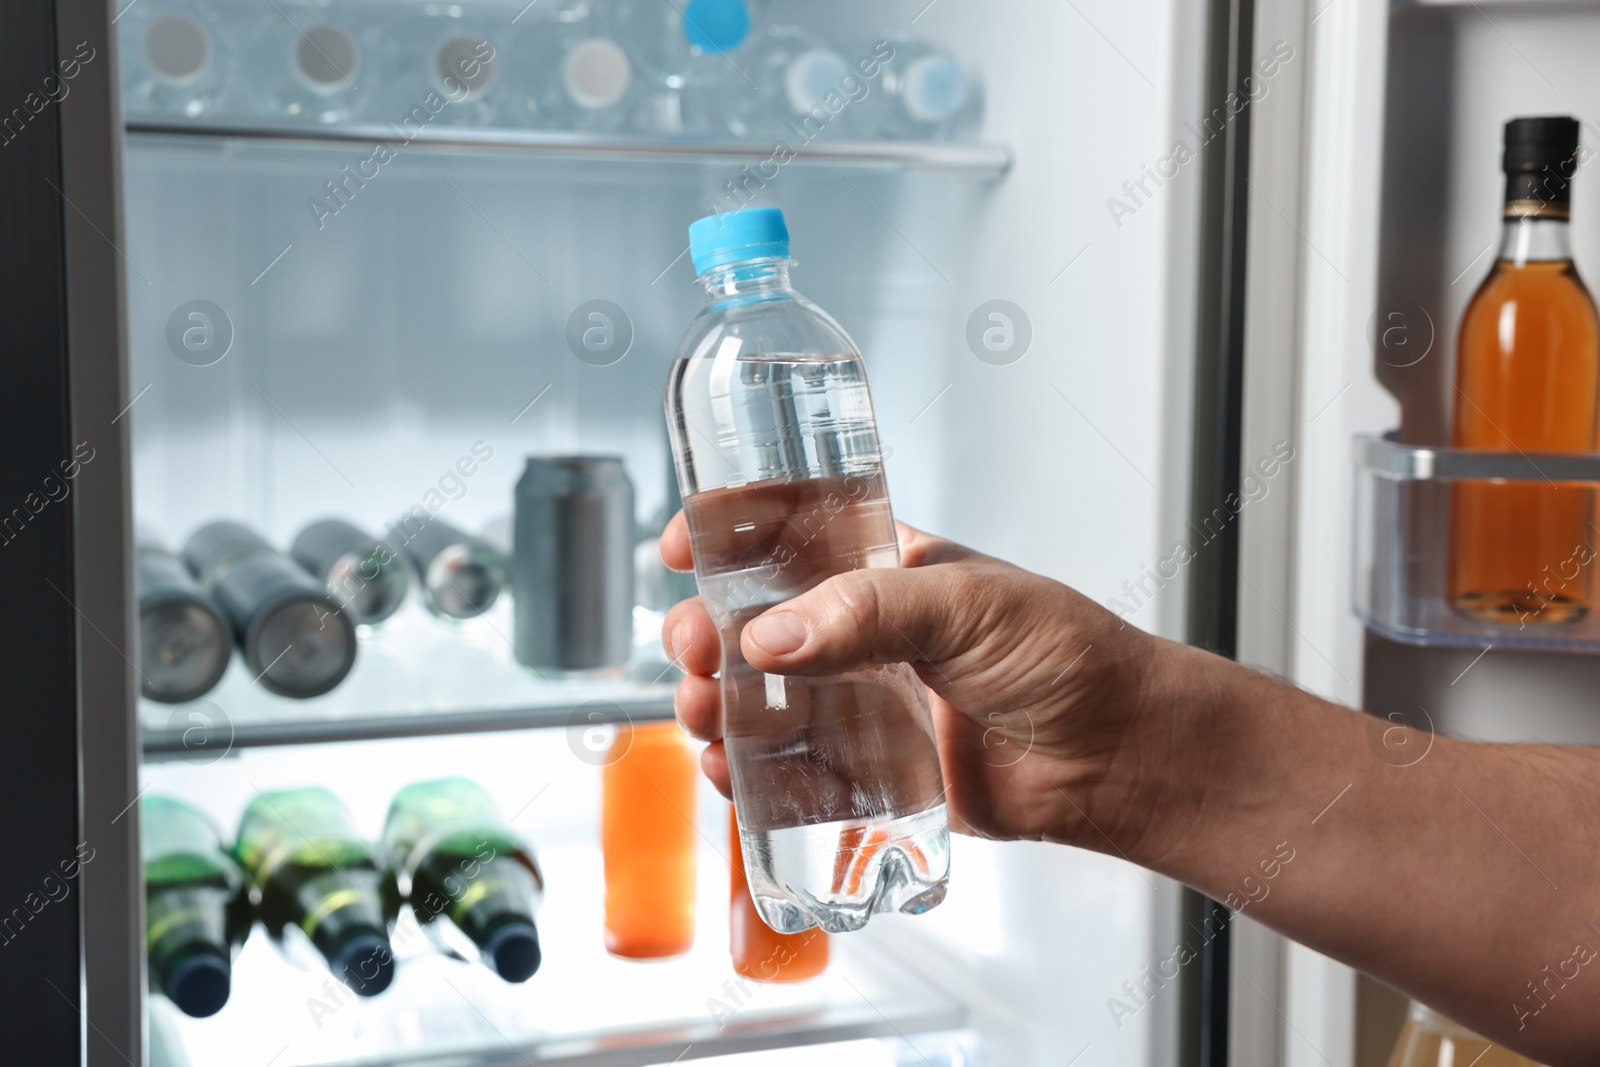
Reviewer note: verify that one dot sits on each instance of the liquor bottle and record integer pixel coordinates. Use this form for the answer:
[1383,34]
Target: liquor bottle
[197,912]
[184,642]
[647,837]
[1527,368]
[1430,1040]
[836,778]
[759,951]
[466,872]
[315,876]
[462,575]
[367,575]
[297,640]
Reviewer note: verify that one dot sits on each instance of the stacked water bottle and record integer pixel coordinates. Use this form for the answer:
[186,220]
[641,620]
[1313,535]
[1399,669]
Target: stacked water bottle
[703,68]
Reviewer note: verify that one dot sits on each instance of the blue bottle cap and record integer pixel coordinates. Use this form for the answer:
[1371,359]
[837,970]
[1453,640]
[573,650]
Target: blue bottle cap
[716,26]
[732,236]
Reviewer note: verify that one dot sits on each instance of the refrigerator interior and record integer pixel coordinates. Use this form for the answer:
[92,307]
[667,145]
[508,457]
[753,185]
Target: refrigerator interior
[426,320]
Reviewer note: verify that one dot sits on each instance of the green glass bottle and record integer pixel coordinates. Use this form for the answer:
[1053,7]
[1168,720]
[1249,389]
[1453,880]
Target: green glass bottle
[197,912]
[459,864]
[313,871]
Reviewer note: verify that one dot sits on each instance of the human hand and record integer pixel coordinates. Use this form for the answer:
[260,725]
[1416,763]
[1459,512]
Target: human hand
[1037,693]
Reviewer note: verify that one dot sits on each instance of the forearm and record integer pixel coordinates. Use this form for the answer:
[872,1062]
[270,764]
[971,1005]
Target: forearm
[1463,873]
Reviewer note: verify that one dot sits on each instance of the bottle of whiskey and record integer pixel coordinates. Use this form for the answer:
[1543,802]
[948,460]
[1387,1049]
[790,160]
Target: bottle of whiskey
[465,871]
[197,912]
[1431,1040]
[315,875]
[1526,376]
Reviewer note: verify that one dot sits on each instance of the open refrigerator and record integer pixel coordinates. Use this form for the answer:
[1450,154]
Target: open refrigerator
[1087,315]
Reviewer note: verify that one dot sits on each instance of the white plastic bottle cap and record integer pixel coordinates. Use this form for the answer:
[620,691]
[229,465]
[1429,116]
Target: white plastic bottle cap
[326,58]
[178,49]
[464,68]
[596,73]
[812,76]
[935,89]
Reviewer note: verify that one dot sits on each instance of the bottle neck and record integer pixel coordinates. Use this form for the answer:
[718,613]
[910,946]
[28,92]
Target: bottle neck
[1534,239]
[747,282]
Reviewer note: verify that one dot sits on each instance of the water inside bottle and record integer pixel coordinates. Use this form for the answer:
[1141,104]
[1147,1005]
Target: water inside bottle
[836,778]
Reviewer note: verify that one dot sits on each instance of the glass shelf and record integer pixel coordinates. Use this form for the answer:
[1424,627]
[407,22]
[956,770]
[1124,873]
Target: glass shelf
[583,1007]
[976,160]
[1402,517]
[416,676]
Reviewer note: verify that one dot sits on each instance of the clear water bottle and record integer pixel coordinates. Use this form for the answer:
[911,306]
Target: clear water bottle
[576,76]
[692,54]
[312,63]
[836,779]
[801,85]
[922,94]
[175,60]
[445,67]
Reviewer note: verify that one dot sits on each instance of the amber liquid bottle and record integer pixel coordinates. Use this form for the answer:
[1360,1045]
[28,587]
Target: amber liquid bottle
[1431,1040]
[759,951]
[1526,375]
[647,836]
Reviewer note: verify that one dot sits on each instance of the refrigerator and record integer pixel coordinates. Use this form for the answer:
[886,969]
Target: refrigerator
[1150,258]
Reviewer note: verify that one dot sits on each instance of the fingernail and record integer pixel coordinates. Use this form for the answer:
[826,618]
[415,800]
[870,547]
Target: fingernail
[677,641]
[779,632]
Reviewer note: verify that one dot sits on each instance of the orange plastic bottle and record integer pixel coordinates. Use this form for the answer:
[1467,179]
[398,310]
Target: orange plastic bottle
[647,835]
[758,951]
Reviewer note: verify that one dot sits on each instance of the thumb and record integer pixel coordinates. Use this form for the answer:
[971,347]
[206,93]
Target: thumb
[877,615]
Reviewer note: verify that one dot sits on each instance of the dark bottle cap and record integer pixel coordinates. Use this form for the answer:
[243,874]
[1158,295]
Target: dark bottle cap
[364,962]
[512,949]
[1539,161]
[198,981]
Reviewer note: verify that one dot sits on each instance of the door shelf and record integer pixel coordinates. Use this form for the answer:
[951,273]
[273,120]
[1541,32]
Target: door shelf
[1402,544]
[417,676]
[583,1007]
[975,160]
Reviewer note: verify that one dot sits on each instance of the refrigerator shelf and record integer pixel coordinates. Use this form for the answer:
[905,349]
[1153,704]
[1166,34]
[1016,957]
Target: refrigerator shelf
[983,161]
[1401,539]
[416,677]
[583,1007]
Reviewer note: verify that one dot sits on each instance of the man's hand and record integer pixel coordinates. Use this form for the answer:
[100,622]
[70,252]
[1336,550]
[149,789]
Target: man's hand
[1034,688]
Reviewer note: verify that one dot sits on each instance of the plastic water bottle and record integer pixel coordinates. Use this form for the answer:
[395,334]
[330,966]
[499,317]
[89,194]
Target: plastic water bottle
[445,67]
[693,54]
[836,779]
[923,94]
[313,64]
[799,80]
[576,76]
[174,60]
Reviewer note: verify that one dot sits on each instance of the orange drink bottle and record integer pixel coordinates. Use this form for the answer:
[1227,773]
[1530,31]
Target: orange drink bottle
[759,951]
[647,836]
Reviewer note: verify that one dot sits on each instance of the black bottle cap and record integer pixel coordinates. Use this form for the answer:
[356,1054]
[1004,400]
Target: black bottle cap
[364,962]
[198,981]
[1539,161]
[513,950]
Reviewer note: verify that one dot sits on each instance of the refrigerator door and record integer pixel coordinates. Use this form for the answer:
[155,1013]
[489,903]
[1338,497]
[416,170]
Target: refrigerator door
[71,970]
